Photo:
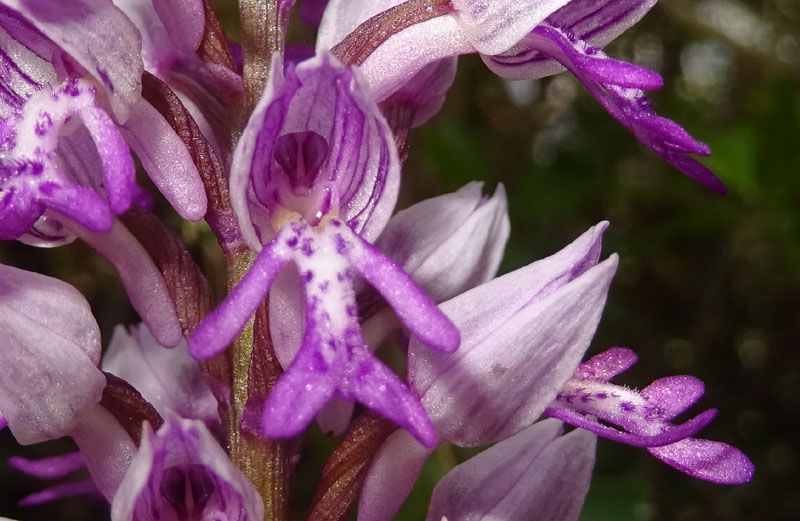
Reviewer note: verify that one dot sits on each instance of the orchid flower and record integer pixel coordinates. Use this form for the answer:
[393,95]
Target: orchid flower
[315,176]
[181,472]
[517,40]
[523,335]
[56,49]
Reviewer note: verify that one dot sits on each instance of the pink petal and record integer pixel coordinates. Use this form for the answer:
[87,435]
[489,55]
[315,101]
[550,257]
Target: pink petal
[391,476]
[536,471]
[141,278]
[48,370]
[166,160]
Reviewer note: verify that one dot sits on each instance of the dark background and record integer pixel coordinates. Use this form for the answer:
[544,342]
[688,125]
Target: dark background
[707,285]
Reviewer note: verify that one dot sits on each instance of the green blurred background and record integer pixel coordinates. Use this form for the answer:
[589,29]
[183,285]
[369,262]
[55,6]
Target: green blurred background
[707,285]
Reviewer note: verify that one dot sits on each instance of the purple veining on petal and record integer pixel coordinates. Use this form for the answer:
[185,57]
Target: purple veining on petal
[599,22]
[181,472]
[618,86]
[358,177]
[644,418]
[523,336]
[94,34]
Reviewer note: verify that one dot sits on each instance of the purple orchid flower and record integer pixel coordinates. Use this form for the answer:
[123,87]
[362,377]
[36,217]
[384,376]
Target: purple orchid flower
[644,417]
[181,472]
[523,336]
[61,44]
[315,176]
[523,40]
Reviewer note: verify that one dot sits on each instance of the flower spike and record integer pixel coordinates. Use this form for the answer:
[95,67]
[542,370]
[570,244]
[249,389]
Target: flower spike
[316,170]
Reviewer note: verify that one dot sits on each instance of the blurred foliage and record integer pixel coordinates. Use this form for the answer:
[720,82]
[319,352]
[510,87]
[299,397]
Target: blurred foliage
[707,285]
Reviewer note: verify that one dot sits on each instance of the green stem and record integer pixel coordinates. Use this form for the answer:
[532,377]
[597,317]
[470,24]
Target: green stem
[261,38]
[241,352]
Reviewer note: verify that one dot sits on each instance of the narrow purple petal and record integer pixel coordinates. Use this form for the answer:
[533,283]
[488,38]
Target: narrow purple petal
[671,435]
[79,204]
[166,161]
[537,470]
[416,310]
[118,166]
[60,491]
[49,468]
[636,419]
[709,460]
[220,327]
[391,477]
[184,21]
[606,365]
[141,278]
[48,370]
[618,87]
[99,37]
[169,379]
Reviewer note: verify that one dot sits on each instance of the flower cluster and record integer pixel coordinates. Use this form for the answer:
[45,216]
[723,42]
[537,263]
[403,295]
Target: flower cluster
[293,157]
